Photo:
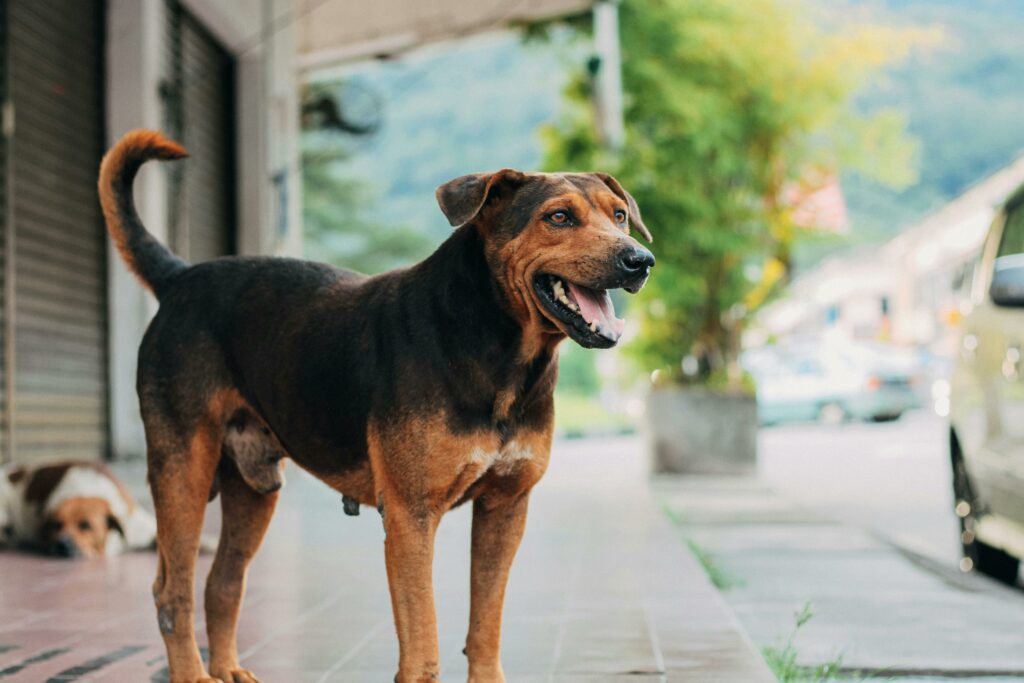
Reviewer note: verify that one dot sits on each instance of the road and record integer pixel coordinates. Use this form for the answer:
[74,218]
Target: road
[892,479]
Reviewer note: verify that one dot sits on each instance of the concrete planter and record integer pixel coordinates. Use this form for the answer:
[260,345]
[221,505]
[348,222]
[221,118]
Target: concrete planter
[698,431]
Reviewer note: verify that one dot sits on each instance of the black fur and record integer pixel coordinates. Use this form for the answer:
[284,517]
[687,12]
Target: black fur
[319,350]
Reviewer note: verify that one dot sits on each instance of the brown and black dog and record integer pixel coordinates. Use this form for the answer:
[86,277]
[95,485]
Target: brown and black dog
[414,391]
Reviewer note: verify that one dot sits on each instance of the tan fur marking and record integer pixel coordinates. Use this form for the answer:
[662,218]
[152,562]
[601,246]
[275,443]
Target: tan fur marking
[135,147]
[180,487]
[499,519]
[540,249]
[246,516]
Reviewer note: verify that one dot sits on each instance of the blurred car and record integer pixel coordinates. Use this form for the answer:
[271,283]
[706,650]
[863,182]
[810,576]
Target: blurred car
[830,384]
[987,404]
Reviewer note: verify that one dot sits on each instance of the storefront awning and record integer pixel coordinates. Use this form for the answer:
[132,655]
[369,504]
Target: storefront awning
[331,32]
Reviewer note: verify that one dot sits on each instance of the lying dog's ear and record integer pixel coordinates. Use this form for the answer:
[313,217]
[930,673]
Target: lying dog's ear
[114,524]
[634,211]
[462,199]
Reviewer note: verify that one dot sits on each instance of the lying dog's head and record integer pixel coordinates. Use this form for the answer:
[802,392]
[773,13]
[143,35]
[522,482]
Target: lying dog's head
[556,243]
[79,527]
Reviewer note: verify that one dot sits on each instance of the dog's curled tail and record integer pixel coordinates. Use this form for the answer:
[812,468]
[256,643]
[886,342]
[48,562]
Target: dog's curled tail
[150,261]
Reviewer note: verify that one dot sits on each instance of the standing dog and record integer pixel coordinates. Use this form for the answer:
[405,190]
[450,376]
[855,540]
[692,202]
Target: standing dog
[414,391]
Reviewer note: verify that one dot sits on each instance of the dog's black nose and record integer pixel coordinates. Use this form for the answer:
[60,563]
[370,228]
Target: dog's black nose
[635,260]
[64,547]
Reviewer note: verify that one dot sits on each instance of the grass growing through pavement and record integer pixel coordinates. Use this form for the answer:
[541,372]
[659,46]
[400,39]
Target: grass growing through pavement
[721,579]
[783,660]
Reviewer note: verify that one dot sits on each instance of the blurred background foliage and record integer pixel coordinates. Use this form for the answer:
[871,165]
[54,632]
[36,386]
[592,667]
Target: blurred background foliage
[961,101]
[719,120]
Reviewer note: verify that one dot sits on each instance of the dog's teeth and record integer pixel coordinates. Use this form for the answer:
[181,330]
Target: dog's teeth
[593,326]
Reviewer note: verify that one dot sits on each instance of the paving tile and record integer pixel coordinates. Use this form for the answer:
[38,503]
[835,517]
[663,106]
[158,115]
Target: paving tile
[872,607]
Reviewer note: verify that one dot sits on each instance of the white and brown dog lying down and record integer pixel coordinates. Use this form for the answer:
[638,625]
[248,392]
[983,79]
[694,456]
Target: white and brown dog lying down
[80,509]
[71,509]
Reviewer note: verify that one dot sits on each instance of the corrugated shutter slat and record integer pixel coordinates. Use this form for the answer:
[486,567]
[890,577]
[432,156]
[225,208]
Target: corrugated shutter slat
[59,258]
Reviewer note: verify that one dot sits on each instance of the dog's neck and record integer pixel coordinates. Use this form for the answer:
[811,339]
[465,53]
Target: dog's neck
[479,334]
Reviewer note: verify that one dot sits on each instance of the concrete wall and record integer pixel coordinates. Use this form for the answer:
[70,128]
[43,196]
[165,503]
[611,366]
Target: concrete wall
[269,189]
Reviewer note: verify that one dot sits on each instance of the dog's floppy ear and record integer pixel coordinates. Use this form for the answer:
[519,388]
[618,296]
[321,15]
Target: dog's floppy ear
[634,211]
[462,199]
[114,524]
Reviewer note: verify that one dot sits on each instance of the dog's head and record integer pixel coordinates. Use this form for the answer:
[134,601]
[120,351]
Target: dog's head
[556,243]
[79,527]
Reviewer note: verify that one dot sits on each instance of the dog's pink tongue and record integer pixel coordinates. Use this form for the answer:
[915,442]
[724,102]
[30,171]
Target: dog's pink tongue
[597,305]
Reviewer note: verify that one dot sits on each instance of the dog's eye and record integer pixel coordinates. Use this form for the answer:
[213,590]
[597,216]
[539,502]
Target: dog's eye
[560,218]
[620,216]
[84,525]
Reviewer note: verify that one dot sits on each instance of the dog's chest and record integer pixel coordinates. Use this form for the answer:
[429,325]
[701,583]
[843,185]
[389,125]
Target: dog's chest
[503,460]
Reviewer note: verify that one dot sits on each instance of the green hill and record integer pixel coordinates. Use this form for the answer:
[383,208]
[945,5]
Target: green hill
[963,103]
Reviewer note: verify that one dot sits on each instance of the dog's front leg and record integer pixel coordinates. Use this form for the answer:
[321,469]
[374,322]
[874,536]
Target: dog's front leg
[409,555]
[497,530]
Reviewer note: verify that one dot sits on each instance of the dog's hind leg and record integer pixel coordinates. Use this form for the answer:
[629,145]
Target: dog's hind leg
[246,517]
[180,482]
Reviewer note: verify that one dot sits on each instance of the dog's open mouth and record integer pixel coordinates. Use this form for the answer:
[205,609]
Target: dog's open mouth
[588,314]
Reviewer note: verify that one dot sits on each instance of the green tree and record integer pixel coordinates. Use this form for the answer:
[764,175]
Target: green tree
[341,226]
[727,103]
[340,230]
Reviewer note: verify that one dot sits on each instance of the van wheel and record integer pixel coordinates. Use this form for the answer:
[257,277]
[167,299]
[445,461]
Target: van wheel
[978,555]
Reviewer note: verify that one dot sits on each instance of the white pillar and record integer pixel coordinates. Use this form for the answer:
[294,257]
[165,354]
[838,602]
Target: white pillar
[609,75]
[135,48]
[269,172]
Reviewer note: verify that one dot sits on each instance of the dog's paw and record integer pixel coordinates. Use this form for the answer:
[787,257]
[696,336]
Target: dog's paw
[238,676]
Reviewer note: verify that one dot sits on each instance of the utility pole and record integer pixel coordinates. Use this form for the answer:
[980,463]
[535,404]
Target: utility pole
[608,76]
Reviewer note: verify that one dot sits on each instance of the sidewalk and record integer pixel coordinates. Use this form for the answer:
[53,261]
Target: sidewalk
[602,590]
[879,611]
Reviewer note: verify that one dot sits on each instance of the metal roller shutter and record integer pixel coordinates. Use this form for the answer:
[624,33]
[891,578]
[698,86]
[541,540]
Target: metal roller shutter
[56,244]
[200,104]
[5,446]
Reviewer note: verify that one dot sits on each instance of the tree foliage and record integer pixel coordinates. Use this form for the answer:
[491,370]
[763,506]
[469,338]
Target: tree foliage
[339,220]
[727,103]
